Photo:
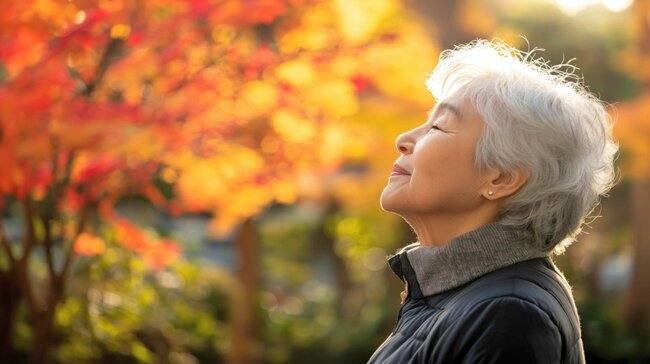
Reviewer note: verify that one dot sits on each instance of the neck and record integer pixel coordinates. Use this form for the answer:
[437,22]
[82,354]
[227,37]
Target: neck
[431,270]
[437,229]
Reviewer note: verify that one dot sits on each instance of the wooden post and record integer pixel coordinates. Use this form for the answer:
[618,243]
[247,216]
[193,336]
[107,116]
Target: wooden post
[637,304]
[637,312]
[244,297]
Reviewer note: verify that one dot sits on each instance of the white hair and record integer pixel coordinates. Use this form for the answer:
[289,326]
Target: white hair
[541,119]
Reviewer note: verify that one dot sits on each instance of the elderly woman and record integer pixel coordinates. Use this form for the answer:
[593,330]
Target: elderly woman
[500,177]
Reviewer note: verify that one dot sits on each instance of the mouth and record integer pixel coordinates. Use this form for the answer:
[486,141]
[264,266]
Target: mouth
[399,171]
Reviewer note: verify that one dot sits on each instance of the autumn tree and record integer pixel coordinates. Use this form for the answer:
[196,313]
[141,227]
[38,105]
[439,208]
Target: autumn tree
[633,130]
[195,105]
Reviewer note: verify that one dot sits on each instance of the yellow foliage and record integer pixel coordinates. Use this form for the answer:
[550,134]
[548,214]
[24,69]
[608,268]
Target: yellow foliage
[357,148]
[332,145]
[399,68]
[120,31]
[257,98]
[298,72]
[196,58]
[359,20]
[204,182]
[176,67]
[198,187]
[347,66]
[51,11]
[312,33]
[139,145]
[285,192]
[238,204]
[223,34]
[270,144]
[143,64]
[169,175]
[247,200]
[218,93]
[292,126]
[111,5]
[335,97]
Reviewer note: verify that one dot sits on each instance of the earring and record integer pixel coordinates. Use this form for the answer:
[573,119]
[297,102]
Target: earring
[490,193]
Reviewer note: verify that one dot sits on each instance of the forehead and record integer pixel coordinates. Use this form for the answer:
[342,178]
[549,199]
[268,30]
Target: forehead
[461,107]
[455,103]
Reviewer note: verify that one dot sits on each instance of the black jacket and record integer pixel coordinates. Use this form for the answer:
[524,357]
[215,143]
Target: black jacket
[523,313]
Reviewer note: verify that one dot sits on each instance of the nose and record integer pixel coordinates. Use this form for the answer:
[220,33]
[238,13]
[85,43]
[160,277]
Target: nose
[405,143]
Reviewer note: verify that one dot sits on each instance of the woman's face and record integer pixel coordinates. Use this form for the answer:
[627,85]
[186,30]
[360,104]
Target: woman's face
[438,159]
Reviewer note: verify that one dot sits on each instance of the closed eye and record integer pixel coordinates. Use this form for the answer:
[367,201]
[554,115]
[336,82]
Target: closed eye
[434,126]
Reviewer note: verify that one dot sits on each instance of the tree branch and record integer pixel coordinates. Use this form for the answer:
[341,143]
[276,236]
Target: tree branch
[26,287]
[111,53]
[54,195]
[6,245]
[59,184]
[81,225]
[30,235]
[47,245]
[23,271]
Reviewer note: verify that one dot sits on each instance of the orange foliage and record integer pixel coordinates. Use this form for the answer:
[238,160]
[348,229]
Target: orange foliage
[632,126]
[155,251]
[632,129]
[89,245]
[228,101]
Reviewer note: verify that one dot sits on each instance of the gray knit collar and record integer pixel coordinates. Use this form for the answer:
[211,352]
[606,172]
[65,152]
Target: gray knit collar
[431,270]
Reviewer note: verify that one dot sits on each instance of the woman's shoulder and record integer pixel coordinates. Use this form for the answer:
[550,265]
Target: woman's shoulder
[537,281]
[535,286]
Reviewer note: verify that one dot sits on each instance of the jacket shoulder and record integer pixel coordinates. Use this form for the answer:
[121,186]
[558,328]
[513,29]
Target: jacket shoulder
[536,281]
[533,288]
[500,330]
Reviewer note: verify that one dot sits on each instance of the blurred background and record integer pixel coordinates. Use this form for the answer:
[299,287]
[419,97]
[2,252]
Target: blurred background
[197,181]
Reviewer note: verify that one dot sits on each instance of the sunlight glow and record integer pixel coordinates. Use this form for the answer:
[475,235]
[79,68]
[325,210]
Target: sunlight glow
[572,7]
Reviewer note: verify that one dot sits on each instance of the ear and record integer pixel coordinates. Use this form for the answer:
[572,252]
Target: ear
[504,184]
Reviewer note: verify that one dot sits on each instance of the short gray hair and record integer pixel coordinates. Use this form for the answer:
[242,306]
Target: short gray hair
[539,118]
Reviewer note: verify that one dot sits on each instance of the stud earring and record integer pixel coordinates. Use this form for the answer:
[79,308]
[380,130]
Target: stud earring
[490,193]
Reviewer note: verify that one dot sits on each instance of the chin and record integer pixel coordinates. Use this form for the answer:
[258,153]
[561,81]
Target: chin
[386,202]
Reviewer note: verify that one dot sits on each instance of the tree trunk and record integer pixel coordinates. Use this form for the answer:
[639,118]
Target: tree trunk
[9,299]
[243,320]
[638,301]
[43,335]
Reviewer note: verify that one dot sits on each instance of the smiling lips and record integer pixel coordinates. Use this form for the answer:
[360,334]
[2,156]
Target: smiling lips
[397,170]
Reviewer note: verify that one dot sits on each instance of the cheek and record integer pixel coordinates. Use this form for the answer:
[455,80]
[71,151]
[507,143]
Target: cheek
[445,164]
[434,158]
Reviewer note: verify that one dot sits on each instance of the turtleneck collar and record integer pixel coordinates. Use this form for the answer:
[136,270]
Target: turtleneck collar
[431,270]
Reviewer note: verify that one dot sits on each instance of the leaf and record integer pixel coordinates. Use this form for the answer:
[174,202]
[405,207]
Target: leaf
[292,127]
[358,20]
[89,245]
[334,97]
[158,253]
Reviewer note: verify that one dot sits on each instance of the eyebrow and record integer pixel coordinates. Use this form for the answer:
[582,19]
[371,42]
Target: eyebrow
[448,106]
